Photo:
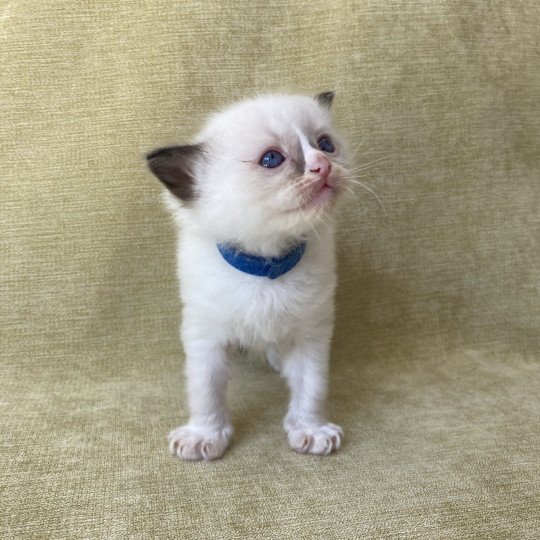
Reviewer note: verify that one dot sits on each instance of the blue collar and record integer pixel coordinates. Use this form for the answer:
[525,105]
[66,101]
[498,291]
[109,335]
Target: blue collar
[270,267]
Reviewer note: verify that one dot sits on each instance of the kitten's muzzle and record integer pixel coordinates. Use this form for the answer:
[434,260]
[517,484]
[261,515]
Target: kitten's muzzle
[319,192]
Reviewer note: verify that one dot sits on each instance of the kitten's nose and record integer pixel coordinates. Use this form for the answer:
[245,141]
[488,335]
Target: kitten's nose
[320,165]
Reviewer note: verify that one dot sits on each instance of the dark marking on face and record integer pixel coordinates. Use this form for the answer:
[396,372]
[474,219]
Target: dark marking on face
[299,161]
[174,166]
[292,142]
[325,99]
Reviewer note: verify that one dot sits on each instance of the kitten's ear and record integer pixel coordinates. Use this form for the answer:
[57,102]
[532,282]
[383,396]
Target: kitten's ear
[325,99]
[174,166]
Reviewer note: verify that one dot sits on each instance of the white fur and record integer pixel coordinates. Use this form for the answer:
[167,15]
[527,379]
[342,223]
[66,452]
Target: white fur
[291,317]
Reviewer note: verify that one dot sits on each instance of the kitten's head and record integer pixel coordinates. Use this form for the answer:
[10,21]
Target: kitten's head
[263,172]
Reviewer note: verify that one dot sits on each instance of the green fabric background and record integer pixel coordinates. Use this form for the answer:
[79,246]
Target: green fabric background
[435,373]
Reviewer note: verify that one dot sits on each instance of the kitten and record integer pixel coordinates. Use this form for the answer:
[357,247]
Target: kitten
[256,260]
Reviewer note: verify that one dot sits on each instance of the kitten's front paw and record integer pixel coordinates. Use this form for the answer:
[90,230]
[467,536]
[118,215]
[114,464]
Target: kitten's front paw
[195,443]
[320,440]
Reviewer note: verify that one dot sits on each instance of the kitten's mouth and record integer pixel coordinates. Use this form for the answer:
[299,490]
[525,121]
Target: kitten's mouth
[319,196]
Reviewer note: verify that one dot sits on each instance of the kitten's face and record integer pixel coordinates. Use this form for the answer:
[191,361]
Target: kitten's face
[265,167]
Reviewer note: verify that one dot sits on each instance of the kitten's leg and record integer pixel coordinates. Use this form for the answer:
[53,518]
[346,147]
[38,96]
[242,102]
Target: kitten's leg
[207,434]
[306,371]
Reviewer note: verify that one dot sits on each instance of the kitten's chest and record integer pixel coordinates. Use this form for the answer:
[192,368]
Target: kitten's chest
[256,311]
[269,311]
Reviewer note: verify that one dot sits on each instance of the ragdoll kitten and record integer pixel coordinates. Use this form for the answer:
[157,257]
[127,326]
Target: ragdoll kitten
[256,260]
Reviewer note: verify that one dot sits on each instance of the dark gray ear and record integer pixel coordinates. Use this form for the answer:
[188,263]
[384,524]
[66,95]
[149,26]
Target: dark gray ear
[325,99]
[174,166]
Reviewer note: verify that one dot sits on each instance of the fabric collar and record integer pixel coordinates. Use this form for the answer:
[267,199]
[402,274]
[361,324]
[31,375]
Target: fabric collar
[270,267]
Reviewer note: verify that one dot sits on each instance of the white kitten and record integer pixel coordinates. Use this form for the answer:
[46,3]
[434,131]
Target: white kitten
[256,260]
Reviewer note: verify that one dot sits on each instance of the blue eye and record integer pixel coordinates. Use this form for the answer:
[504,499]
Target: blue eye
[326,144]
[271,159]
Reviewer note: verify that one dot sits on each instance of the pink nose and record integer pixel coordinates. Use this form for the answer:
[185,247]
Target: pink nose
[320,165]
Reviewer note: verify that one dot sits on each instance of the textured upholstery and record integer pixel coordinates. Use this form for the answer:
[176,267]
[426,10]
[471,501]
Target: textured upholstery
[435,373]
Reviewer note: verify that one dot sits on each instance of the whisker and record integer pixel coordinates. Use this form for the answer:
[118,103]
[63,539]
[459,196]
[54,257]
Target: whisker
[356,179]
[386,156]
[351,192]
[367,188]
[358,147]
[310,224]
[370,165]
[327,215]
[380,158]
